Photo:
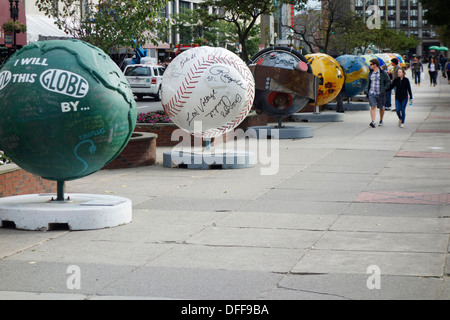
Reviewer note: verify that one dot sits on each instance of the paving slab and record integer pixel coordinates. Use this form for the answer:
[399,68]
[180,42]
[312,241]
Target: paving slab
[326,218]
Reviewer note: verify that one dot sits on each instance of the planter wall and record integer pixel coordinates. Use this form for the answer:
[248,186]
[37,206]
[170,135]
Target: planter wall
[140,151]
[165,130]
[16,181]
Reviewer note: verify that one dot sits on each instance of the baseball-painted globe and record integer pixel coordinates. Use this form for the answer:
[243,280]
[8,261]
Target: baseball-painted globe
[207,91]
[330,74]
[356,74]
[66,109]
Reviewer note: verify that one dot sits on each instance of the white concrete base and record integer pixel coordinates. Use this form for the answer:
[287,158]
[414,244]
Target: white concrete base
[81,212]
[209,159]
[285,132]
[318,117]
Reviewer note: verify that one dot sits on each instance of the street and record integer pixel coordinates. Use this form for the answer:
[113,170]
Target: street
[148,104]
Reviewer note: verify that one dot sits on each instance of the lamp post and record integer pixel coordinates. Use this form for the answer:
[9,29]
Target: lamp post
[14,13]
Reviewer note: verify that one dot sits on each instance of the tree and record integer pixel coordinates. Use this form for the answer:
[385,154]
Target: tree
[242,14]
[109,24]
[351,34]
[437,13]
[191,27]
[317,28]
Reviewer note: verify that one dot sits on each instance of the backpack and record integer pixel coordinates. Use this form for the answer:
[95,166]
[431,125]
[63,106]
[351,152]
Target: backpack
[448,66]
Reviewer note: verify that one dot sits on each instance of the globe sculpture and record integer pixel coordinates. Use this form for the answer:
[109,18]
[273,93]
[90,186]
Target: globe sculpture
[356,74]
[387,60]
[400,59]
[207,91]
[369,57]
[285,83]
[330,74]
[66,109]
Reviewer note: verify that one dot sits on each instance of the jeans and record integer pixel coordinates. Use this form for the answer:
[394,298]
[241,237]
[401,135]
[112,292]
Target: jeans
[400,108]
[433,77]
[387,100]
[416,77]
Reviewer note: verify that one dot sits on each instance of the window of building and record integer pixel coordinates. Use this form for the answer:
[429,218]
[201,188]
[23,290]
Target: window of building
[184,6]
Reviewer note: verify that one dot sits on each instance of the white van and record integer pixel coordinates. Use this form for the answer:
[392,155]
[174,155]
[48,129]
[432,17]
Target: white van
[145,80]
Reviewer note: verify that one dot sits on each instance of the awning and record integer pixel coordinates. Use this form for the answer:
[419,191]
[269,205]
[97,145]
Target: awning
[42,28]
[160,45]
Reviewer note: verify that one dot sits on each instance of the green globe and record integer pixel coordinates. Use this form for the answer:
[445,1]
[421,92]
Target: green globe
[66,109]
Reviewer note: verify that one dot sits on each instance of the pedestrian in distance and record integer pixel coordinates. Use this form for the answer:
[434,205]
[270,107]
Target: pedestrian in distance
[433,68]
[392,76]
[378,83]
[417,70]
[402,90]
[443,61]
[447,69]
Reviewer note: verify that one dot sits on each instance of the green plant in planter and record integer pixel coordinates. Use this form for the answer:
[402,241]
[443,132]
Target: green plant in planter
[153,117]
[11,26]
[4,159]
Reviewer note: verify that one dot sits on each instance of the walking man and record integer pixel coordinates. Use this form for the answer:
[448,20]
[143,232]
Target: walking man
[392,76]
[378,83]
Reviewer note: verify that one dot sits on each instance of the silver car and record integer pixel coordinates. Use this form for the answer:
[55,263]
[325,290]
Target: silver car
[145,80]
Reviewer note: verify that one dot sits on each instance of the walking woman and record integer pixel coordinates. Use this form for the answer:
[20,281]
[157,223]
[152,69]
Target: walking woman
[433,68]
[402,89]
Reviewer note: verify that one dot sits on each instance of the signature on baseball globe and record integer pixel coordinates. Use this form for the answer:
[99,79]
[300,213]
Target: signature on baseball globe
[207,91]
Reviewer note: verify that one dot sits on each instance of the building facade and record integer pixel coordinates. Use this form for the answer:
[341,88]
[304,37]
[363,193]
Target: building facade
[406,16]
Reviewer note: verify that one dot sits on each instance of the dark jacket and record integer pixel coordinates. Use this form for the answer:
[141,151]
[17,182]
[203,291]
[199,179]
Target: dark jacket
[403,87]
[385,81]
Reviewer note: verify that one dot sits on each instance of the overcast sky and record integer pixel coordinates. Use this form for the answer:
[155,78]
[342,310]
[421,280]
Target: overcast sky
[314,4]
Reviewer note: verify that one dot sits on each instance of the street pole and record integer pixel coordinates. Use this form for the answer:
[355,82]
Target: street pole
[14,13]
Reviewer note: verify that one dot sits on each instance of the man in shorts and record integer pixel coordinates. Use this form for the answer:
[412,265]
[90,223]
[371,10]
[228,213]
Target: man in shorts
[378,83]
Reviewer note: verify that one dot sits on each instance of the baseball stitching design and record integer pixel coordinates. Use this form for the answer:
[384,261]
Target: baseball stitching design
[188,86]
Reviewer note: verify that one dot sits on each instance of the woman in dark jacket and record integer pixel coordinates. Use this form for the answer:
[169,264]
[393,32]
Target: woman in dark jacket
[403,88]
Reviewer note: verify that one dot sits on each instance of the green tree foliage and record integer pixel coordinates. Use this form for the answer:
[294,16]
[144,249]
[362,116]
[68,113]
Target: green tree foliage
[191,27]
[243,15]
[109,24]
[196,26]
[352,35]
[438,13]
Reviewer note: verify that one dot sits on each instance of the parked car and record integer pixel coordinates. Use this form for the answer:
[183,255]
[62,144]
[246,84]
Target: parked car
[145,80]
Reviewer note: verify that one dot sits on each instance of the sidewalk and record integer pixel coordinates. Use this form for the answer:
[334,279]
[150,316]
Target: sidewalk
[346,206]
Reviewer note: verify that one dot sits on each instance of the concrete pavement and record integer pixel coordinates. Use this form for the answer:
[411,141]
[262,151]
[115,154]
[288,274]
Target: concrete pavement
[352,213]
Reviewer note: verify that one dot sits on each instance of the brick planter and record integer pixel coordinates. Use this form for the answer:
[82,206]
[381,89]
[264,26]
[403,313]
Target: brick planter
[140,151]
[16,181]
[165,130]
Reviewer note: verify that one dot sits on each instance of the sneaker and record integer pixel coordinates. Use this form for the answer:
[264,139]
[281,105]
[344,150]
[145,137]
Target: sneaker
[372,124]
[387,108]
[399,123]
[381,123]
[402,125]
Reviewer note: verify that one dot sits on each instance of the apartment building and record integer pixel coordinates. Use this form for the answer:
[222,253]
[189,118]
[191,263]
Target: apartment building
[406,16]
